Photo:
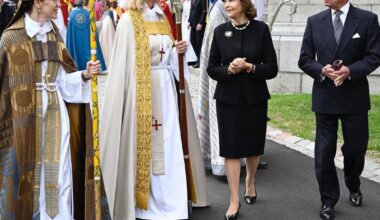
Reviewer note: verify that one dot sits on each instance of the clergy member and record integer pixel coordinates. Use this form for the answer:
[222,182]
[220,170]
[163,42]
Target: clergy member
[39,127]
[107,29]
[206,118]
[78,36]
[140,141]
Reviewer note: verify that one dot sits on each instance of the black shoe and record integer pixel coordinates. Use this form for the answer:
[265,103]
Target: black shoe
[263,165]
[250,199]
[356,198]
[327,212]
[233,216]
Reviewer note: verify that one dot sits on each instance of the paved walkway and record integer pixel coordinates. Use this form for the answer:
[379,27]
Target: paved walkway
[288,190]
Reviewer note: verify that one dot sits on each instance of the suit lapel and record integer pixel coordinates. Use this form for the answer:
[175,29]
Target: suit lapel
[327,31]
[350,25]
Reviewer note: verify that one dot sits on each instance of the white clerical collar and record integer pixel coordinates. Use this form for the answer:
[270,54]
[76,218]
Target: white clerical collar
[155,9]
[33,27]
[344,9]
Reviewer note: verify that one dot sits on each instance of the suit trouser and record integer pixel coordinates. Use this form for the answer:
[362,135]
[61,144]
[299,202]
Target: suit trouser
[355,136]
[196,38]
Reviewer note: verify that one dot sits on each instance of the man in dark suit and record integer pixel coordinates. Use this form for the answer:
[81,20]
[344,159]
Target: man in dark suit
[197,22]
[342,32]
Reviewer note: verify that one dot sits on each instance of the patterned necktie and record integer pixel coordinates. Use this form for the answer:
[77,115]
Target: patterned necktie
[338,26]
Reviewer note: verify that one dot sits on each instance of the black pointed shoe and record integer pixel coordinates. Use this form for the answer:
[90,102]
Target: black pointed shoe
[250,199]
[356,198]
[233,216]
[327,212]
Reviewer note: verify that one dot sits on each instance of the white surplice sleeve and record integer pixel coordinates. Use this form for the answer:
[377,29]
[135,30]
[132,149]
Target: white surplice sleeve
[73,89]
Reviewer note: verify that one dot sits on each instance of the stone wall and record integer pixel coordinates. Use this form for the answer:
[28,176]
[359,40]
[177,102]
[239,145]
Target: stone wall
[287,36]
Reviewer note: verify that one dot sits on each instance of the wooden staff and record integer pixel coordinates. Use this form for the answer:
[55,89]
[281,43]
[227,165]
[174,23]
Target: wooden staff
[95,113]
[177,9]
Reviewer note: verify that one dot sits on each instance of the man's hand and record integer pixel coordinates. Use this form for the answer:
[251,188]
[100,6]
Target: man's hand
[343,73]
[328,71]
[93,67]
[181,46]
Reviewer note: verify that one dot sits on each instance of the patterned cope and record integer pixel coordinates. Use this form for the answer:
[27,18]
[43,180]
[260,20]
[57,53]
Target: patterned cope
[21,129]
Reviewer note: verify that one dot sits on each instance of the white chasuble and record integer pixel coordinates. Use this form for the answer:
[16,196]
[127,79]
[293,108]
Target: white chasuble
[72,89]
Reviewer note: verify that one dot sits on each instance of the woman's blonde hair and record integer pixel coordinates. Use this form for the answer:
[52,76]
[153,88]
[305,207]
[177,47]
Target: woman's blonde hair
[249,9]
[135,4]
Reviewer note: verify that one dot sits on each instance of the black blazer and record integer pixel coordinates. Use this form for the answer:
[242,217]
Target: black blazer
[198,13]
[254,43]
[360,54]
[6,15]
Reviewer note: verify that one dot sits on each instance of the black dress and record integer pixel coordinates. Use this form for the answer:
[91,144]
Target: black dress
[241,99]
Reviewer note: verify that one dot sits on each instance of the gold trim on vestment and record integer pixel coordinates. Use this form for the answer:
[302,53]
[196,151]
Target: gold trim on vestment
[48,138]
[158,27]
[144,110]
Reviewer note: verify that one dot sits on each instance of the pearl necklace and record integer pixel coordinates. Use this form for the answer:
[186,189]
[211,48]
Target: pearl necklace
[240,28]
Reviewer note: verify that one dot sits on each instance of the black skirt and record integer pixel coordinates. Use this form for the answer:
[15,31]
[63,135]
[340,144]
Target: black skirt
[242,128]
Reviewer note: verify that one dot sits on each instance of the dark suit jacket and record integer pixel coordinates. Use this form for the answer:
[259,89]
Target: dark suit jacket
[198,13]
[361,55]
[255,44]
[6,14]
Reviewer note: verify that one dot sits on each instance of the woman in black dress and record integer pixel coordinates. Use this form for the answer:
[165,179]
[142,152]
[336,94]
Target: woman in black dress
[242,58]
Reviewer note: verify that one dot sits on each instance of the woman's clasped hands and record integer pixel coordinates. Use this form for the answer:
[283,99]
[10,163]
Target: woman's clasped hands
[239,65]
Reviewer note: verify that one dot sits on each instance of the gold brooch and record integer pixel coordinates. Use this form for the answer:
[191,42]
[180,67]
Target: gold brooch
[228,34]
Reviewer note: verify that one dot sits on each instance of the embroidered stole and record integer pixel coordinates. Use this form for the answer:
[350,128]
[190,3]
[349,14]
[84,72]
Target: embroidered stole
[144,110]
[158,152]
[48,126]
[146,122]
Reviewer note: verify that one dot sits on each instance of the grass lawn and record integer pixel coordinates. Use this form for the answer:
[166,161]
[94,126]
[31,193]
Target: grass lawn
[292,113]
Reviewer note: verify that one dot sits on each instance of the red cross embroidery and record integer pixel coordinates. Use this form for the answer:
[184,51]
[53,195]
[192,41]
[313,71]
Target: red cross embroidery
[156,124]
